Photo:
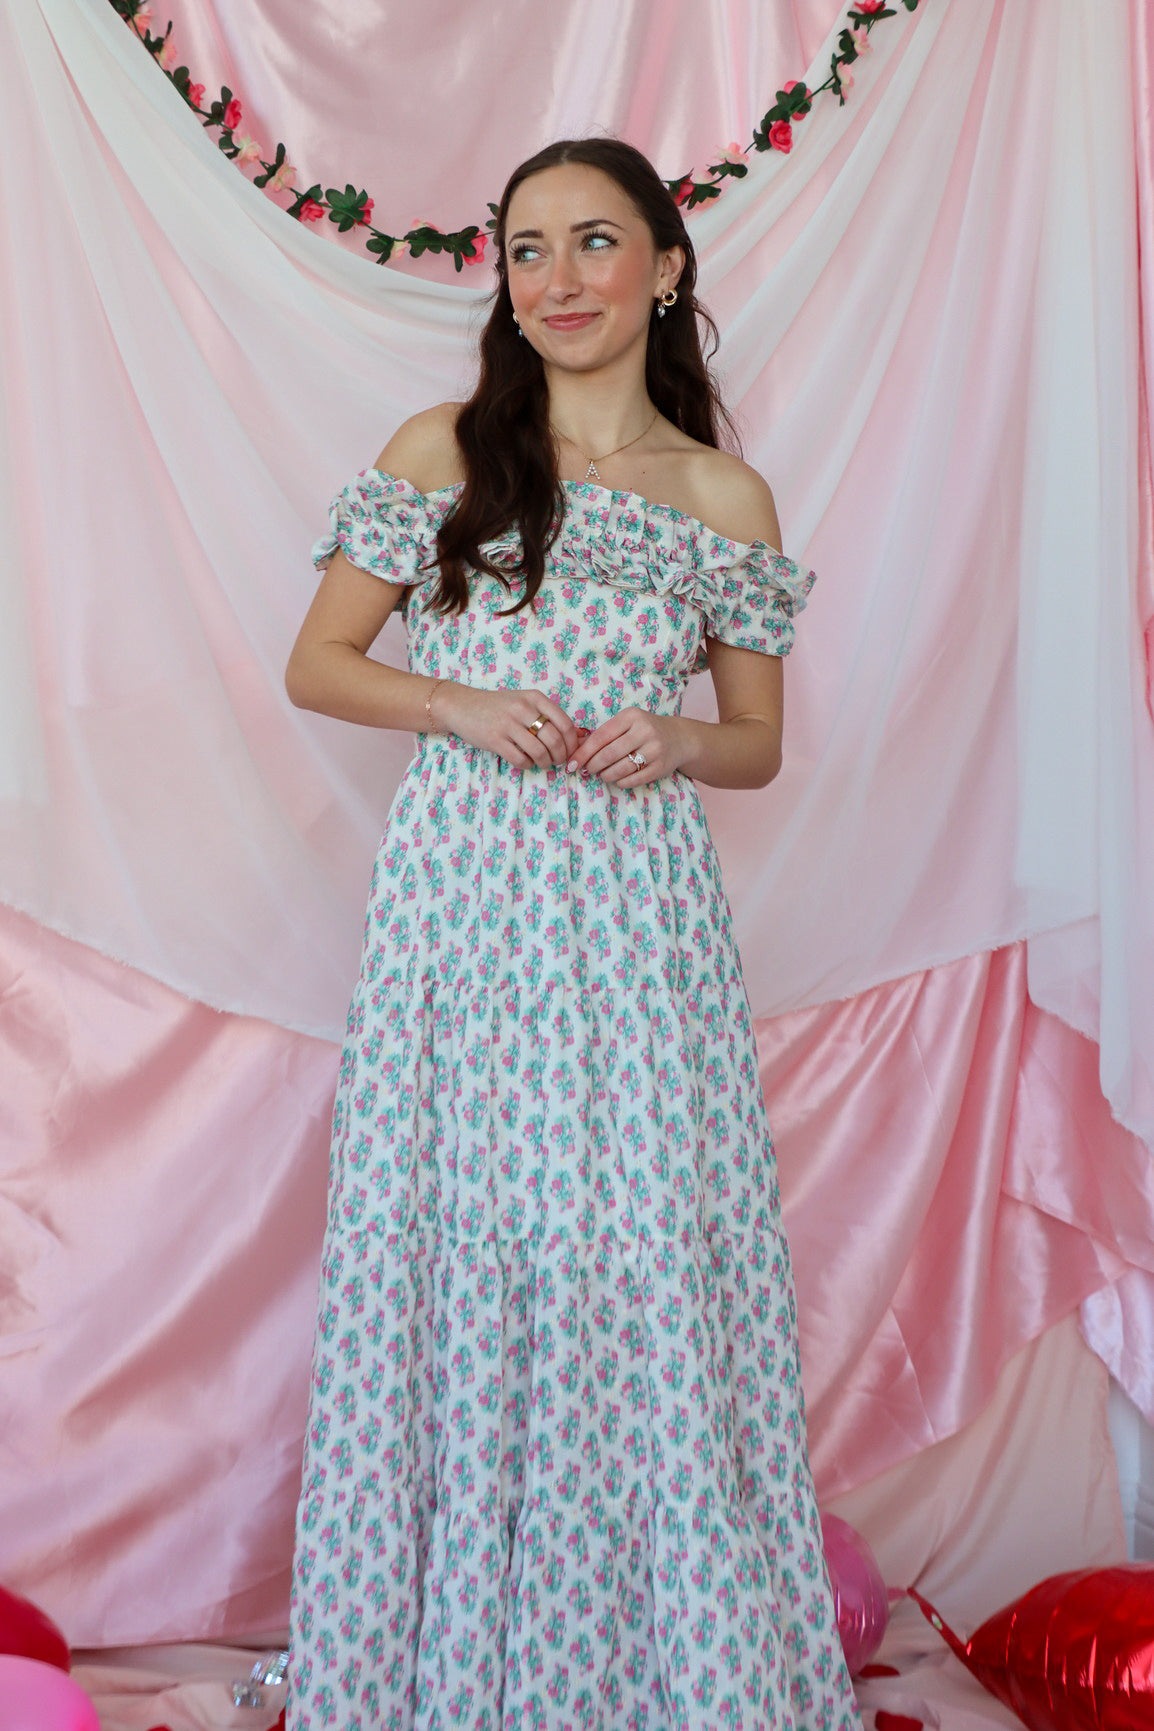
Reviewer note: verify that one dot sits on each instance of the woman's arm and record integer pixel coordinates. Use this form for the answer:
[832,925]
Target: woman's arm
[742,748]
[329,669]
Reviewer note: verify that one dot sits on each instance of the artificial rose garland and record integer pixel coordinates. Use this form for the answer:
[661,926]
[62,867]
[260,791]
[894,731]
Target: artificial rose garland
[353,209]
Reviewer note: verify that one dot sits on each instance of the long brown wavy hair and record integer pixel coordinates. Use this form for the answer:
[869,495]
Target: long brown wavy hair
[510,459]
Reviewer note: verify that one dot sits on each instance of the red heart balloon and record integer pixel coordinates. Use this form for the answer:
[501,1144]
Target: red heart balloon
[27,1632]
[1075,1653]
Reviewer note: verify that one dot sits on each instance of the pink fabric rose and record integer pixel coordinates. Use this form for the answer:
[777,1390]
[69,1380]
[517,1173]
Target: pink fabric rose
[232,114]
[248,150]
[792,85]
[869,7]
[861,39]
[196,94]
[142,18]
[366,211]
[479,243]
[781,136]
[167,55]
[282,177]
[844,76]
[733,153]
[311,211]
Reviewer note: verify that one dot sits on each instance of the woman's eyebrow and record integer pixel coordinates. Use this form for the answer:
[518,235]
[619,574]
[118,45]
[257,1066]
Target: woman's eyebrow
[574,228]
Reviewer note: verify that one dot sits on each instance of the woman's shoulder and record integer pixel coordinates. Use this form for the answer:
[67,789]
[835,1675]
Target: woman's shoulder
[732,498]
[424,450]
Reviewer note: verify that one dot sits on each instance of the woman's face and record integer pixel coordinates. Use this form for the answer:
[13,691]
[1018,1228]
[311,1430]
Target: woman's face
[583,270]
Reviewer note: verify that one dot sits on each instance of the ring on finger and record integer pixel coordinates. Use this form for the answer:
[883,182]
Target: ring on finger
[536,726]
[637,757]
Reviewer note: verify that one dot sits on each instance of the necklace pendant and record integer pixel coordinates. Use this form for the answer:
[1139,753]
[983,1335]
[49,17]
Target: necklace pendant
[591,472]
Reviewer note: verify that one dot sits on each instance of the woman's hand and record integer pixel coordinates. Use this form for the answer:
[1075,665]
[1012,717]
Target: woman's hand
[605,752]
[500,721]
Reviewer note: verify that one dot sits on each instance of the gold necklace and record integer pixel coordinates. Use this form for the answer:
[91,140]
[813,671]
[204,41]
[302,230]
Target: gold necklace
[591,473]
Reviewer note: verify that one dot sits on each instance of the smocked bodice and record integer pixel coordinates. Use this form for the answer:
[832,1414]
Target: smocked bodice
[630,592]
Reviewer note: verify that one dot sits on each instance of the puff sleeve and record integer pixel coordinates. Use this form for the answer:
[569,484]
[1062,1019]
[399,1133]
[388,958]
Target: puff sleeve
[751,603]
[383,526]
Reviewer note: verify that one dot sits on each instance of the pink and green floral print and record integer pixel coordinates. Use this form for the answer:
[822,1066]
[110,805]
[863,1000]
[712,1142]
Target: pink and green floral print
[555,1473]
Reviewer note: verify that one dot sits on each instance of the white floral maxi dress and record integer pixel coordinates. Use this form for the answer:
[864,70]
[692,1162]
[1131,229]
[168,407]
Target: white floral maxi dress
[556,1472]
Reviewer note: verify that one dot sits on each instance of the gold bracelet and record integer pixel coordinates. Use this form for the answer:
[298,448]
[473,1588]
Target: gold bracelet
[429,700]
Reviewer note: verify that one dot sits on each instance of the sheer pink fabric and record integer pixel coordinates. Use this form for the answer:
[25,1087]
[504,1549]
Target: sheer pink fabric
[970,756]
[1142,59]
[1119,1319]
[163,1193]
[346,82]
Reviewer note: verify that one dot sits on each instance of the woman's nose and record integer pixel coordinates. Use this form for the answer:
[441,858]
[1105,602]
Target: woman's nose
[564,279]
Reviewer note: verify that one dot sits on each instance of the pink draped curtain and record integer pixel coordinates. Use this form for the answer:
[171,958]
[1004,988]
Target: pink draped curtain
[935,900]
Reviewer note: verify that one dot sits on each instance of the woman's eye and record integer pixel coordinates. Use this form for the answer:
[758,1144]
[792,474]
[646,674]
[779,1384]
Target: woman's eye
[598,242]
[519,254]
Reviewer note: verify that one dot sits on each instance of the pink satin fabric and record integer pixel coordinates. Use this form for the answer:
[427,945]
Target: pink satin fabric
[160,1222]
[943,1147]
[161,1207]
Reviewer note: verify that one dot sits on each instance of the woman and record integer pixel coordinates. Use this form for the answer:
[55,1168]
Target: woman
[556,1471]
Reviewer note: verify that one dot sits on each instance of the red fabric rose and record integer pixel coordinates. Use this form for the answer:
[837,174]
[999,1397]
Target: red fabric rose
[684,190]
[196,94]
[781,136]
[870,6]
[311,211]
[366,211]
[233,113]
[478,253]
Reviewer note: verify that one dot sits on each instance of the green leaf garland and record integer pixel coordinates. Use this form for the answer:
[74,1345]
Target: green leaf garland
[353,208]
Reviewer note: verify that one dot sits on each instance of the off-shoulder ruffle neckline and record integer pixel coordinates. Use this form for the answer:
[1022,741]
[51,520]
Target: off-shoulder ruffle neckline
[583,489]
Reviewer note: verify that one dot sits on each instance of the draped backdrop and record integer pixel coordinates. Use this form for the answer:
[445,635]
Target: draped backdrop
[937,330]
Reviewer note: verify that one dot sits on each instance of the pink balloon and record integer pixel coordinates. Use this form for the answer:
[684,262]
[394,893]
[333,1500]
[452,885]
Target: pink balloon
[859,1593]
[38,1697]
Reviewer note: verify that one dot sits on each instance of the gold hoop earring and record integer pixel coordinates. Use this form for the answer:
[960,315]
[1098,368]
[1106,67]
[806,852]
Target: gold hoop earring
[667,300]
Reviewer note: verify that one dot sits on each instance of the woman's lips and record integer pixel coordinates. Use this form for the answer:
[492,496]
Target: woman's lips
[569,321]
